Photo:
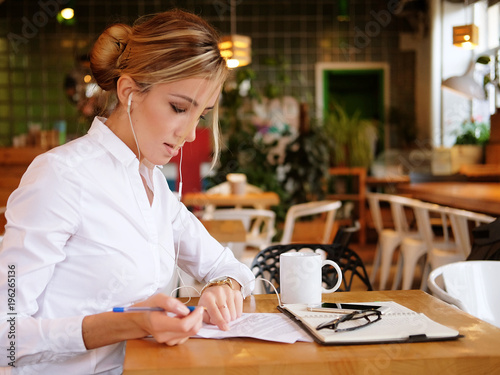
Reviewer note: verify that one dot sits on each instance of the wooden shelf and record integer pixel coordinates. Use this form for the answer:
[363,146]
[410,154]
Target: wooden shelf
[359,196]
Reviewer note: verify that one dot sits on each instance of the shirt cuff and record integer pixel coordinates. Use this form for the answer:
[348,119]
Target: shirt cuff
[64,335]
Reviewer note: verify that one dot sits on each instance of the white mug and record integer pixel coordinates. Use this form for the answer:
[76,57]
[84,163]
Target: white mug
[300,277]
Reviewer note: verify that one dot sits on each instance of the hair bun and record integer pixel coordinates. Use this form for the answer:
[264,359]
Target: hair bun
[106,56]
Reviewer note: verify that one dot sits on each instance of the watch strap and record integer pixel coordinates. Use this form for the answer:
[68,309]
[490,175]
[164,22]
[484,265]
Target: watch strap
[218,282]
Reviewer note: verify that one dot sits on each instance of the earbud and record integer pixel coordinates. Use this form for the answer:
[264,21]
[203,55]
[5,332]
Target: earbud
[129,102]
[180,177]
[132,127]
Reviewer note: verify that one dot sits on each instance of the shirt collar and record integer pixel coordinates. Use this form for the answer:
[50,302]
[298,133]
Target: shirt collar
[113,144]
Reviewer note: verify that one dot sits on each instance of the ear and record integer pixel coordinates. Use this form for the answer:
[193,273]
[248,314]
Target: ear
[124,87]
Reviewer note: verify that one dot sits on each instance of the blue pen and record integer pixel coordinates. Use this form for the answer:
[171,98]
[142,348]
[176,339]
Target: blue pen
[143,309]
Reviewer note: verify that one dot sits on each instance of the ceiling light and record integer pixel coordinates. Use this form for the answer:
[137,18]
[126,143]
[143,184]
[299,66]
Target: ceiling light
[236,49]
[67,13]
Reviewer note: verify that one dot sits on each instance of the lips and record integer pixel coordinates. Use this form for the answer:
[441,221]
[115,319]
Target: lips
[171,150]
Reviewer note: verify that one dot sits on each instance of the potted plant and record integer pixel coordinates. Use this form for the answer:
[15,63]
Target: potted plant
[244,150]
[351,137]
[469,144]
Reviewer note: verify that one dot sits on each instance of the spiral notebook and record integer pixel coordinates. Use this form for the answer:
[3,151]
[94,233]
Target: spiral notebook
[398,324]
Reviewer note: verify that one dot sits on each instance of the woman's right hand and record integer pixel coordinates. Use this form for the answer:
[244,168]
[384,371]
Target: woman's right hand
[168,329]
[109,327]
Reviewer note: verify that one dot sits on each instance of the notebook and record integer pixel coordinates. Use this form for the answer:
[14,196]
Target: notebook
[398,324]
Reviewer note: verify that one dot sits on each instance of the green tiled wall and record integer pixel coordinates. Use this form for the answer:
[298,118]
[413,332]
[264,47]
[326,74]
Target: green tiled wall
[297,32]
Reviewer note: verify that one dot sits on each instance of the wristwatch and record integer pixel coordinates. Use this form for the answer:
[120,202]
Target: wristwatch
[223,280]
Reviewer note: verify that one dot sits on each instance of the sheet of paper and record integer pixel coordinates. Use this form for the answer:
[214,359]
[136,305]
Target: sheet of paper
[263,326]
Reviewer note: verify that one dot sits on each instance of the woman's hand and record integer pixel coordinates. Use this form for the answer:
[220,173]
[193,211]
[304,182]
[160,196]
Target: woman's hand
[109,327]
[222,304]
[168,329]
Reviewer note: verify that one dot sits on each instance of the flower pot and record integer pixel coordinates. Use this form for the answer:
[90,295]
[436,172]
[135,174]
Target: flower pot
[468,154]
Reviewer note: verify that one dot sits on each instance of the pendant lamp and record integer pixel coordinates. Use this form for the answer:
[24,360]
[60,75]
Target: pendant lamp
[466,36]
[236,49]
[465,85]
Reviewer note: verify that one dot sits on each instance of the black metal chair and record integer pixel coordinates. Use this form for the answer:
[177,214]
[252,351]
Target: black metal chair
[266,265]
[344,234]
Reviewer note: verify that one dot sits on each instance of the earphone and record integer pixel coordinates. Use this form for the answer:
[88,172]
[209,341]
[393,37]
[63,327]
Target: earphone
[129,103]
[180,177]
[182,285]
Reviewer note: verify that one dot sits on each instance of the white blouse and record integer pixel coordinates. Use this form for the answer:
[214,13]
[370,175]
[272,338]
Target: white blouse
[82,237]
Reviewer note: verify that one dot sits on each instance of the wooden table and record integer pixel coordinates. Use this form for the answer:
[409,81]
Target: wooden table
[264,200]
[473,196]
[386,181]
[476,353]
[226,230]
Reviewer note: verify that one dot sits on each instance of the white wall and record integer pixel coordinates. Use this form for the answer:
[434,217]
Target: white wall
[454,109]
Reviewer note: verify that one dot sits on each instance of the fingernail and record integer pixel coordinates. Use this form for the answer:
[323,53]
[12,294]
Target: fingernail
[183,310]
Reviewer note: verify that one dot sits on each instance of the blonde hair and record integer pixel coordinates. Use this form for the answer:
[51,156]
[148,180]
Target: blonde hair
[161,48]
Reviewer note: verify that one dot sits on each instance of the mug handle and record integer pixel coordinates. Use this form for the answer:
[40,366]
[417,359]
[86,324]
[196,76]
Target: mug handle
[339,273]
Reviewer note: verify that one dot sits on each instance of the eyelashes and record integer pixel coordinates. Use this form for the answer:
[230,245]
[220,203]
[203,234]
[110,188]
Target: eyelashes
[179,110]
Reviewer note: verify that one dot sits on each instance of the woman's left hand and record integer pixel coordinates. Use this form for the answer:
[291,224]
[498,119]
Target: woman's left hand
[222,304]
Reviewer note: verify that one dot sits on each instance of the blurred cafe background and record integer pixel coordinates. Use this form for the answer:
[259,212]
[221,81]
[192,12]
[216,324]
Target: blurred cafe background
[388,90]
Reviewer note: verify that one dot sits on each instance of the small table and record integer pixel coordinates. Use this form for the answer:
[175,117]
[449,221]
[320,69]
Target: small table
[476,353]
[261,200]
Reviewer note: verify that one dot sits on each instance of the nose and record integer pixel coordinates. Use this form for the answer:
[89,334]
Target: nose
[191,135]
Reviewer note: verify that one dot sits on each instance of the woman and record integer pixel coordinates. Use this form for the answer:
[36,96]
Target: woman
[93,224]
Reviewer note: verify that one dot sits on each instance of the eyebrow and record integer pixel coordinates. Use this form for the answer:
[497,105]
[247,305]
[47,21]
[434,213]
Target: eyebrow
[191,100]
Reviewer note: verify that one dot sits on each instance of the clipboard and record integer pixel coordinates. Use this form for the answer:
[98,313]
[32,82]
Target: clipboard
[399,324]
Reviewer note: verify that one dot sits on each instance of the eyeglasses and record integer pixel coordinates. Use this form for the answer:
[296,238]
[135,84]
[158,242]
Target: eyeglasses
[352,321]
